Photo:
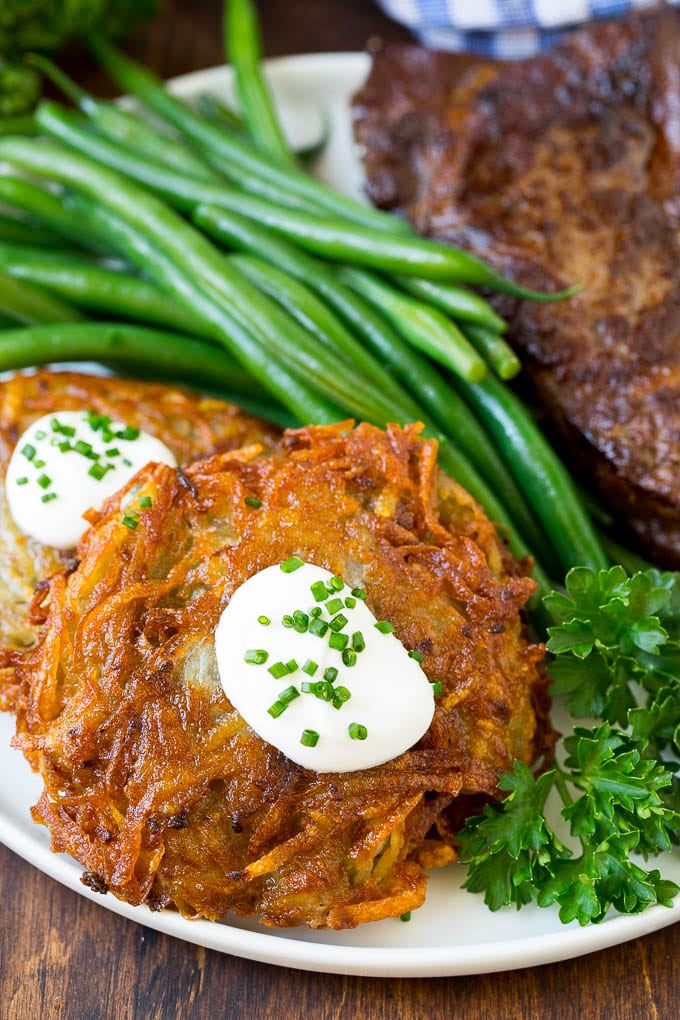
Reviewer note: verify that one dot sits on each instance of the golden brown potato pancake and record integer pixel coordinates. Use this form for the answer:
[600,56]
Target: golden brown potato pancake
[157,786]
[191,425]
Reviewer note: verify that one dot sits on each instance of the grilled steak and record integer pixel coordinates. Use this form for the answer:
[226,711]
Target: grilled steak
[559,169]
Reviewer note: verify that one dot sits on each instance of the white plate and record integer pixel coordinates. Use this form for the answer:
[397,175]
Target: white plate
[453,933]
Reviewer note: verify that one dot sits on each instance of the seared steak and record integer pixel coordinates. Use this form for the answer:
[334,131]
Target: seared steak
[559,169]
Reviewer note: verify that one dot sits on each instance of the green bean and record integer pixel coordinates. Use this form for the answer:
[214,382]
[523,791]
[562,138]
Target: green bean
[424,328]
[302,303]
[494,349]
[426,384]
[23,124]
[538,471]
[127,128]
[460,303]
[23,231]
[215,109]
[229,149]
[28,304]
[618,553]
[93,287]
[170,355]
[244,50]
[44,207]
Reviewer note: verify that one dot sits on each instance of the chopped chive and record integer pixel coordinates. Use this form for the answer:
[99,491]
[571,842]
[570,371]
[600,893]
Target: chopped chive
[277,708]
[253,501]
[338,622]
[40,434]
[350,602]
[310,738]
[145,502]
[107,436]
[287,620]
[48,497]
[307,686]
[338,641]
[385,627]
[310,667]
[256,656]
[55,425]
[334,606]
[264,620]
[82,447]
[294,563]
[318,627]
[278,670]
[336,583]
[319,591]
[130,521]
[340,696]
[359,593]
[98,471]
[300,621]
[349,657]
[315,611]
[330,674]
[113,452]
[129,433]
[44,481]
[22,481]
[126,462]
[292,666]
[38,464]
[437,687]
[92,455]
[65,446]
[358,641]
[323,690]
[405,917]
[357,731]
[290,694]
[68,430]
[413,654]
[28,451]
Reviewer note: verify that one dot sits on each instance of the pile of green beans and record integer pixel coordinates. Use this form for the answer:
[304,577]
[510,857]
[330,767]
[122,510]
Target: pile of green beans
[257,280]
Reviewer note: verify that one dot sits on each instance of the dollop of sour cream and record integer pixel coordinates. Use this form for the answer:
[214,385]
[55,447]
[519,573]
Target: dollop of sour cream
[305,662]
[68,462]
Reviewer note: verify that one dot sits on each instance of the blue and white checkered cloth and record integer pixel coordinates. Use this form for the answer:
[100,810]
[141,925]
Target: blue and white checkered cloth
[501,28]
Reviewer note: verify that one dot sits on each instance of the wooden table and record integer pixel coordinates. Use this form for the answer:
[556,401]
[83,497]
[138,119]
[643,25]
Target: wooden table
[63,956]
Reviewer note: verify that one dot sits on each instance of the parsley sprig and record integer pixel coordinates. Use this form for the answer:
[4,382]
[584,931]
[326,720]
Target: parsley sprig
[616,648]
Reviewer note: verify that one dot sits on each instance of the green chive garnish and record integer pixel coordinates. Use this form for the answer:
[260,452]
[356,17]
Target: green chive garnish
[437,687]
[350,602]
[323,690]
[28,451]
[294,563]
[338,622]
[131,521]
[307,686]
[48,497]
[349,657]
[38,464]
[276,709]
[318,627]
[253,501]
[113,452]
[126,462]
[358,641]
[98,471]
[256,656]
[145,502]
[44,481]
[65,446]
[278,670]
[357,731]
[264,620]
[128,433]
[310,738]
[334,606]
[22,481]
[290,694]
[310,667]
[330,674]
[336,583]
[359,593]
[338,641]
[287,620]
[300,621]
[40,434]
[292,666]
[340,696]
[82,447]
[319,591]
[315,611]
[385,627]
[405,917]
[413,654]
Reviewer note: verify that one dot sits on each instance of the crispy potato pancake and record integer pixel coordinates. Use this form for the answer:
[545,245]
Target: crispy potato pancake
[157,786]
[191,425]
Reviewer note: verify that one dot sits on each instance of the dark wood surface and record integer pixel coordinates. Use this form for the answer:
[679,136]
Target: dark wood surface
[63,956]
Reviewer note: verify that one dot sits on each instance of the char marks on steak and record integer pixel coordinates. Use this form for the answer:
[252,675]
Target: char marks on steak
[562,168]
